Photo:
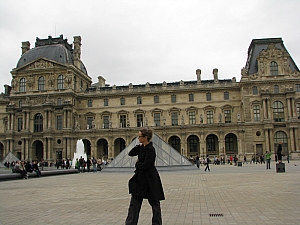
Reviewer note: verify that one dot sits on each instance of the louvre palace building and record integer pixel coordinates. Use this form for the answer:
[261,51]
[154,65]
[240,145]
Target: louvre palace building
[52,102]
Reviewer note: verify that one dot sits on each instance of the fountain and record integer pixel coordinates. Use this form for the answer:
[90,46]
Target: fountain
[79,152]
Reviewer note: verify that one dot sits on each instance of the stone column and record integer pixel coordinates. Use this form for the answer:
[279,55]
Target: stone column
[28,121]
[297,139]
[9,122]
[265,108]
[45,148]
[28,154]
[292,140]
[49,155]
[269,109]
[289,113]
[24,121]
[267,139]
[271,138]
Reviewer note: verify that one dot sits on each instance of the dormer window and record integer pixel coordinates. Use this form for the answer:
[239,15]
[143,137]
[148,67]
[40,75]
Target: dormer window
[274,68]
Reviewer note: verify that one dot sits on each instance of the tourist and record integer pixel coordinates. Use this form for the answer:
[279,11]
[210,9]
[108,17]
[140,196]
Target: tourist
[36,169]
[245,160]
[146,182]
[207,161]
[88,164]
[94,161]
[198,161]
[235,159]
[77,165]
[268,158]
[230,159]
[81,162]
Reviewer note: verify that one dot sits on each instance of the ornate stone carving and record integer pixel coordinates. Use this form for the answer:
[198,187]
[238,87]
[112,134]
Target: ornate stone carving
[41,64]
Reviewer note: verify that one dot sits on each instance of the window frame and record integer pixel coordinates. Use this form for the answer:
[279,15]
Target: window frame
[60,82]
[41,83]
[22,87]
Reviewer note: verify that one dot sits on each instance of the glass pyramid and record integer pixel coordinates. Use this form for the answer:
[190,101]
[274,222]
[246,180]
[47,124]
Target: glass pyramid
[166,156]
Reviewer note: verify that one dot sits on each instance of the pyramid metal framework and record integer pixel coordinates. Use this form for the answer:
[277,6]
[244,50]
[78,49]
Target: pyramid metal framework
[9,157]
[167,158]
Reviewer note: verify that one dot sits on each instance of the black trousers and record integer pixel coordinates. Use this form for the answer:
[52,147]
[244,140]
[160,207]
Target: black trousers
[134,211]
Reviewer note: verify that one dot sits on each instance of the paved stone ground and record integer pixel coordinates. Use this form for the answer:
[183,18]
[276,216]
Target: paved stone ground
[244,195]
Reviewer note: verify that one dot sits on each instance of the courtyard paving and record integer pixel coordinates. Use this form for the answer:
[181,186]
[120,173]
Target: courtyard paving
[233,195]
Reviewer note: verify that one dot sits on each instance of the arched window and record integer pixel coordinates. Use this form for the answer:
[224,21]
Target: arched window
[38,123]
[278,111]
[41,84]
[60,82]
[274,68]
[254,90]
[193,143]
[22,87]
[276,89]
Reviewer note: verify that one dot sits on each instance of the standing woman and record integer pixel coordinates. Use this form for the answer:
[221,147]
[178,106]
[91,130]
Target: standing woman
[279,150]
[146,182]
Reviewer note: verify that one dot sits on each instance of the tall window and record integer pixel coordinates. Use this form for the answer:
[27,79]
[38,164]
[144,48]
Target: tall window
[60,82]
[193,143]
[229,142]
[90,103]
[105,122]
[122,121]
[173,98]
[20,104]
[22,87]
[157,119]
[254,90]
[278,113]
[297,87]
[90,120]
[38,123]
[191,97]
[139,120]
[210,117]
[122,101]
[139,100]
[256,113]
[298,110]
[174,117]
[59,101]
[41,84]
[59,122]
[208,96]
[81,85]
[156,99]
[211,143]
[106,102]
[20,124]
[175,142]
[192,117]
[276,89]
[227,114]
[274,68]
[226,95]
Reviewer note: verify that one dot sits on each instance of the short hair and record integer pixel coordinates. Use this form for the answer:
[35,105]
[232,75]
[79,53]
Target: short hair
[146,132]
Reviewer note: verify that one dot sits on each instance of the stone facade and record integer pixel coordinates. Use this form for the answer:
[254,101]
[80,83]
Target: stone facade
[52,102]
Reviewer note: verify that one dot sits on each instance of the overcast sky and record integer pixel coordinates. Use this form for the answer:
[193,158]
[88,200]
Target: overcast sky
[150,41]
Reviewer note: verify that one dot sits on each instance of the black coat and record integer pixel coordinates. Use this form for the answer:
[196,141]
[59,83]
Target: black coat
[145,182]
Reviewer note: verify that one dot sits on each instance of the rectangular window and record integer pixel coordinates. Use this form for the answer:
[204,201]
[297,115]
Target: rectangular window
[227,116]
[139,100]
[298,110]
[59,101]
[20,104]
[105,122]
[210,117]
[157,119]
[174,116]
[208,96]
[139,120]
[122,101]
[90,103]
[122,121]
[191,97]
[105,102]
[173,98]
[256,113]
[90,120]
[192,117]
[59,122]
[156,99]
[297,87]
[226,95]
[20,124]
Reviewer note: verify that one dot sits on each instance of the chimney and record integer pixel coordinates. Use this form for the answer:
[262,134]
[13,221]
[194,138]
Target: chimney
[215,73]
[25,46]
[198,73]
[101,81]
[77,51]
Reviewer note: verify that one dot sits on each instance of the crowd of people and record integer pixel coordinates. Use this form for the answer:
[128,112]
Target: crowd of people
[90,164]
[24,168]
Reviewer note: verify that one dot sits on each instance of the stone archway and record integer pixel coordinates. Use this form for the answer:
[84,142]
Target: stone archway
[212,145]
[37,150]
[87,147]
[102,148]
[193,145]
[119,145]
[1,151]
[281,136]
[174,141]
[231,145]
